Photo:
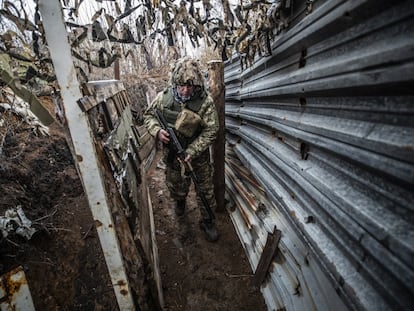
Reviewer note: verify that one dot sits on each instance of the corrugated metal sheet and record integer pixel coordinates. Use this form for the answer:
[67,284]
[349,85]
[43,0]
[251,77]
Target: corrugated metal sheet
[326,126]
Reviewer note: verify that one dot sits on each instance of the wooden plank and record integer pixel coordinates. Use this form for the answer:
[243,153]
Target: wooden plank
[155,258]
[146,149]
[269,251]
[112,111]
[106,89]
[87,102]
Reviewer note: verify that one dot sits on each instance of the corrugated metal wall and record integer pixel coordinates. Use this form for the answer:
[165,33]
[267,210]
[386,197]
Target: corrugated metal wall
[326,126]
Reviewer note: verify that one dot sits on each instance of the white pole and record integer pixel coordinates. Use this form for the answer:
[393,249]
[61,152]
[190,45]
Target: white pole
[86,158]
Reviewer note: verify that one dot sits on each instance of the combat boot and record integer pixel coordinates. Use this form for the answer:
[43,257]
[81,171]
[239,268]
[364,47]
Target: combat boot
[210,230]
[180,207]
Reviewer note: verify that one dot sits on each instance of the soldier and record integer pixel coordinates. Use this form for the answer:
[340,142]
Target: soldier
[188,109]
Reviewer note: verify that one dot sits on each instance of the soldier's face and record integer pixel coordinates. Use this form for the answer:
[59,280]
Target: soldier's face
[185,91]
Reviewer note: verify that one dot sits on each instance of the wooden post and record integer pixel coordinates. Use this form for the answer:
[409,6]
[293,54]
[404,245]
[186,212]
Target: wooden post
[117,74]
[217,92]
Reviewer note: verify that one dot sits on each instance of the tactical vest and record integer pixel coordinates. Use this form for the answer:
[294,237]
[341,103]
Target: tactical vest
[172,108]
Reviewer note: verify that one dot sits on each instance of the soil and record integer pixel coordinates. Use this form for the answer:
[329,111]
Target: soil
[63,261]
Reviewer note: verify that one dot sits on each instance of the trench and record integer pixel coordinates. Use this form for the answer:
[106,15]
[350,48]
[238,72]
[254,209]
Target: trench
[197,274]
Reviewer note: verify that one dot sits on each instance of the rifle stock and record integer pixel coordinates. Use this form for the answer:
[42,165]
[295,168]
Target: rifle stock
[181,155]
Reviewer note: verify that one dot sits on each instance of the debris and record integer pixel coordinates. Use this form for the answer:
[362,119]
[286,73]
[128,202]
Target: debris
[22,109]
[14,220]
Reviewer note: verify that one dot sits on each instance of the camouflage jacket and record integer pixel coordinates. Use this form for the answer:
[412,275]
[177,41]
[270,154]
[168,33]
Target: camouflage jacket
[207,112]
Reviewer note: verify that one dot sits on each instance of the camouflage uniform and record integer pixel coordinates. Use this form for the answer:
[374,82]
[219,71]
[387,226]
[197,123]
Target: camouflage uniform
[186,72]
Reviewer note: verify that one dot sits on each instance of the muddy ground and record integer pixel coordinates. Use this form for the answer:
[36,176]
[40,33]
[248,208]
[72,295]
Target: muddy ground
[197,274]
[63,261]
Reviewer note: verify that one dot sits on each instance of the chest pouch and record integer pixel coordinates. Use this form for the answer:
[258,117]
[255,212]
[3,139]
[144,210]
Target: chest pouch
[188,122]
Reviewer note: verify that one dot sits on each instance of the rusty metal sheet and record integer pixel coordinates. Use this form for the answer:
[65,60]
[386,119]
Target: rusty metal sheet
[14,291]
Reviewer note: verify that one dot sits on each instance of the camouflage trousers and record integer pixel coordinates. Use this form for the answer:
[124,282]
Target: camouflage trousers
[179,185]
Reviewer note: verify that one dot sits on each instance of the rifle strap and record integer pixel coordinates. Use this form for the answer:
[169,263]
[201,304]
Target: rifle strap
[182,169]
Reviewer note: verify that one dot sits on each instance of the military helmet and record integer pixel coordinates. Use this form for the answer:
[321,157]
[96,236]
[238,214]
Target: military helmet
[187,72]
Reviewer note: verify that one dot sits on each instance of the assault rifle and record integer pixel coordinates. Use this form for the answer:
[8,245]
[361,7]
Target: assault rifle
[178,148]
